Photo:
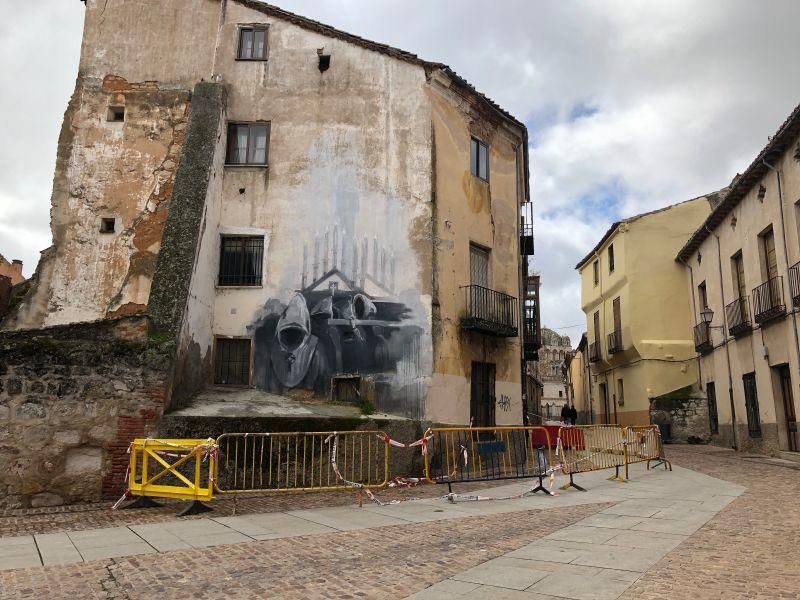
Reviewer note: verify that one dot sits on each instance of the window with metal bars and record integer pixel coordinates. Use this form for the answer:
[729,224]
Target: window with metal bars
[713,416]
[247,144]
[232,361]
[751,405]
[241,260]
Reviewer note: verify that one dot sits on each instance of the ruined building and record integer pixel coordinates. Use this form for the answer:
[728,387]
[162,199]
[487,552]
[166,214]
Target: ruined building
[263,201]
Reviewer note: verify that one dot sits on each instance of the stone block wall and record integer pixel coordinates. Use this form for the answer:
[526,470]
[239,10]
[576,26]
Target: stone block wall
[72,397]
[686,411]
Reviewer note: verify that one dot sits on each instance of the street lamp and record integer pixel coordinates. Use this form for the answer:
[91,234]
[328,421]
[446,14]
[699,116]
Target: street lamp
[707,315]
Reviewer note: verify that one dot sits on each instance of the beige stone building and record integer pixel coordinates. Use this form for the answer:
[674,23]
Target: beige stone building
[637,314]
[742,271]
[306,212]
[578,382]
[551,370]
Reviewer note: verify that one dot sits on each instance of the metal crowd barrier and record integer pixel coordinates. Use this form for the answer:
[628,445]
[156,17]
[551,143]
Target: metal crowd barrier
[469,454]
[585,448]
[280,462]
[182,469]
[644,445]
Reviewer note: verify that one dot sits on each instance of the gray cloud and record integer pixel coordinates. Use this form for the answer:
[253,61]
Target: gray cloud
[633,104]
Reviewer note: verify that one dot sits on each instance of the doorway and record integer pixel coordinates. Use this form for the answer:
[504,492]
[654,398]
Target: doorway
[604,403]
[785,381]
[482,397]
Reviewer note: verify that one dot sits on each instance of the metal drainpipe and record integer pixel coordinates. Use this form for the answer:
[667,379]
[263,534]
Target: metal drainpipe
[785,253]
[725,340]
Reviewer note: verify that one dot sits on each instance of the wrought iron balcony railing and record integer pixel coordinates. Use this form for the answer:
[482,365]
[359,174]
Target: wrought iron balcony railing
[737,313]
[702,338]
[768,300]
[794,284]
[490,312]
[615,342]
[594,352]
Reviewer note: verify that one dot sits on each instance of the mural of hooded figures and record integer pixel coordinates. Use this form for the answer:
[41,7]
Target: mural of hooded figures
[295,358]
[345,332]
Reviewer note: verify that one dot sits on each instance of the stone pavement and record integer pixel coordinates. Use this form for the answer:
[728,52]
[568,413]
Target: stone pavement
[646,539]
[599,557]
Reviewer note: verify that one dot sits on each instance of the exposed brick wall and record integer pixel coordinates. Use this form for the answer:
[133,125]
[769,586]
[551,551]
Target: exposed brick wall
[688,416]
[71,400]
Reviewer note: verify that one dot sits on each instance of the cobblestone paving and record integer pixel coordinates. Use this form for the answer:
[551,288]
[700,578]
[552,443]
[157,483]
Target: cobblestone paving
[93,516]
[390,562]
[749,550]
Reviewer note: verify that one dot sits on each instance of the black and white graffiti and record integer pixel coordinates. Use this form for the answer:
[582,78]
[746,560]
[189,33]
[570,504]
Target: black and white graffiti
[339,323]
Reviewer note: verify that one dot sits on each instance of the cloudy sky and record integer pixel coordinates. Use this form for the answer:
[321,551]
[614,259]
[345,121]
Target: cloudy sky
[631,104]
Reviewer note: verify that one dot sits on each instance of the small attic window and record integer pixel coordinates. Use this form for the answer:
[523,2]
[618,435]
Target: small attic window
[324,62]
[108,225]
[116,114]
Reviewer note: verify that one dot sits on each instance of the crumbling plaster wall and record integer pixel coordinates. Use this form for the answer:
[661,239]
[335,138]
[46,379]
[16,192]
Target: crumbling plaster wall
[107,169]
[469,210]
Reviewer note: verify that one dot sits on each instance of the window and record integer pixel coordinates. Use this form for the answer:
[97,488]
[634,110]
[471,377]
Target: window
[247,143]
[620,392]
[560,393]
[252,43]
[596,269]
[617,314]
[108,225]
[240,260]
[713,416]
[116,114]
[770,259]
[478,266]
[597,326]
[737,267]
[479,159]
[611,258]
[232,361]
[702,295]
[751,405]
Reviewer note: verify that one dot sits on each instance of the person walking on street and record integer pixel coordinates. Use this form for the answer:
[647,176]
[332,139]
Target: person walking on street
[573,415]
[565,414]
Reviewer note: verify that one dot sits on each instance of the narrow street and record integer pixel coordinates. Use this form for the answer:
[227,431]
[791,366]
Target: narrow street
[718,526]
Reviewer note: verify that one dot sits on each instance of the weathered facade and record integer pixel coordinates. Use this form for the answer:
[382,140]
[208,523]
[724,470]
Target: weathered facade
[300,210]
[742,273]
[579,382]
[637,313]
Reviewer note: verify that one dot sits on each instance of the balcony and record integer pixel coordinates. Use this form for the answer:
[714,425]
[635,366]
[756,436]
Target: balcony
[737,314]
[794,284]
[768,301]
[615,342]
[491,312]
[526,240]
[702,338]
[594,352]
[531,333]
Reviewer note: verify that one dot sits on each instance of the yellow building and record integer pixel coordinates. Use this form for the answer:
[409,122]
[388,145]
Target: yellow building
[638,313]
[578,383]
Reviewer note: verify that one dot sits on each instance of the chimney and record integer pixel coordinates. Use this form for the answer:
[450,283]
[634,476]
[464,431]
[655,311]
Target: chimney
[17,265]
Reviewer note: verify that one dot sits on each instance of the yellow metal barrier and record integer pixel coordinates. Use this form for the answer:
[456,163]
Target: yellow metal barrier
[467,454]
[181,469]
[585,448]
[299,461]
[643,444]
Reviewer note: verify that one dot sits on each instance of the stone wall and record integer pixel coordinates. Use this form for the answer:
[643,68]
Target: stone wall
[72,397]
[686,410]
